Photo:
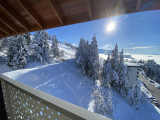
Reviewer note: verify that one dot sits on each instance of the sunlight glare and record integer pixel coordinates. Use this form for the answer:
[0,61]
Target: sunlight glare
[110,27]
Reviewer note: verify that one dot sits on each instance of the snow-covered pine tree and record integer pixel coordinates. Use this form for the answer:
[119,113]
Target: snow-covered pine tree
[45,46]
[54,47]
[107,96]
[27,37]
[114,64]
[97,103]
[150,65]
[35,52]
[86,57]
[94,59]
[125,82]
[152,70]
[35,47]
[17,55]
[38,38]
[49,37]
[101,100]
[107,72]
[123,76]
[80,48]
[39,46]
[80,55]
[135,96]
[114,58]
[3,44]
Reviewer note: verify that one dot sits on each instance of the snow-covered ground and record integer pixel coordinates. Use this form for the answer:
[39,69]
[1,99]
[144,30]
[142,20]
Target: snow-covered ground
[123,111]
[63,80]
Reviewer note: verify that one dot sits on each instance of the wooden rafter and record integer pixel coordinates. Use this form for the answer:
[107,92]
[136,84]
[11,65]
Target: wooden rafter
[56,10]
[8,22]
[13,14]
[4,29]
[90,10]
[1,35]
[31,13]
[138,4]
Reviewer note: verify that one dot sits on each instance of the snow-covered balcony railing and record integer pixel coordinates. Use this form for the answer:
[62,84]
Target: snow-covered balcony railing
[26,103]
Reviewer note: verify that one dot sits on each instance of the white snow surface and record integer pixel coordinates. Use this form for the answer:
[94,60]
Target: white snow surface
[123,111]
[64,80]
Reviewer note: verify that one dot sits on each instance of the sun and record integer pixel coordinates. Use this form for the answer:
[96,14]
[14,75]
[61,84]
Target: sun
[110,27]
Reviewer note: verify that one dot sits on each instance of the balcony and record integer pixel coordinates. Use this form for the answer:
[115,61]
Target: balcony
[25,103]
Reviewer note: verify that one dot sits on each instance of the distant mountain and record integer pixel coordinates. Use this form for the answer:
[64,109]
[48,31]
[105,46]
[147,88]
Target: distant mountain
[106,52]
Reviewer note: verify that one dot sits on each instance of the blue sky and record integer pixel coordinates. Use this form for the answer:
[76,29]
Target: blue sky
[136,33]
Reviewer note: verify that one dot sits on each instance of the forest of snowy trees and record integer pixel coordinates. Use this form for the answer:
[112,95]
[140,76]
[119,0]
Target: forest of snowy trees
[21,49]
[152,70]
[114,72]
[114,75]
[87,57]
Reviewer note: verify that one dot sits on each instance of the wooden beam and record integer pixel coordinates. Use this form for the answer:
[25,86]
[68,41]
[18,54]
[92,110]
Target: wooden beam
[56,10]
[4,29]
[1,35]
[13,14]
[90,8]
[138,4]
[31,13]
[8,22]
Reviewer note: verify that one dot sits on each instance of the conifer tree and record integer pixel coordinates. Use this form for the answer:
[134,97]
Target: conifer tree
[45,46]
[135,97]
[17,55]
[3,43]
[101,101]
[107,96]
[87,53]
[27,37]
[46,52]
[114,58]
[99,105]
[94,59]
[114,64]
[123,76]
[87,57]
[54,47]
[39,46]
[107,72]
[81,54]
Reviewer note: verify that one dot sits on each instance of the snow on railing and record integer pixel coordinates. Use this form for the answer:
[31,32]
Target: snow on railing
[26,103]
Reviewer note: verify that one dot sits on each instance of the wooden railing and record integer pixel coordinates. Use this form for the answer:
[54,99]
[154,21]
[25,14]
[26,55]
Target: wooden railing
[25,103]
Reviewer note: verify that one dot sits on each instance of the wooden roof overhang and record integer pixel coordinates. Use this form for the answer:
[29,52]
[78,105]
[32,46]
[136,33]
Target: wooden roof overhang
[22,16]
